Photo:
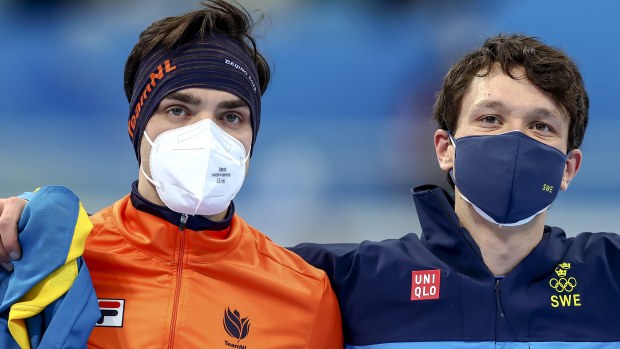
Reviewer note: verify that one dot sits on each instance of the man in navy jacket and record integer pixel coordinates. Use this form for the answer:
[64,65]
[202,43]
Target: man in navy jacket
[487,272]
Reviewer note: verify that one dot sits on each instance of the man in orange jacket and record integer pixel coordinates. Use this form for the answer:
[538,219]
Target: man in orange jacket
[172,264]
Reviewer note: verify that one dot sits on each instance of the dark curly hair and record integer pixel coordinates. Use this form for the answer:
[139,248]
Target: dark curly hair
[215,16]
[545,66]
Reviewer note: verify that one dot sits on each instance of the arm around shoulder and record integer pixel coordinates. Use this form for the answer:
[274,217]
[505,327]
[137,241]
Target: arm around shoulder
[335,260]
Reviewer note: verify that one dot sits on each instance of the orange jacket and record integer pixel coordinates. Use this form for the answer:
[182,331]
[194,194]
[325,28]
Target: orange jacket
[162,287]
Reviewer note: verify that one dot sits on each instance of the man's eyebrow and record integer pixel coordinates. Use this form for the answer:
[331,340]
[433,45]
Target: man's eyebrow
[488,104]
[232,104]
[545,112]
[184,97]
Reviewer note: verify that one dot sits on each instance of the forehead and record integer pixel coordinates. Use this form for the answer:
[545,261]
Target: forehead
[498,91]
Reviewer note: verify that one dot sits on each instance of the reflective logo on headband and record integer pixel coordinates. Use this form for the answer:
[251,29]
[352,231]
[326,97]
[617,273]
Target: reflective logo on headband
[238,67]
[162,70]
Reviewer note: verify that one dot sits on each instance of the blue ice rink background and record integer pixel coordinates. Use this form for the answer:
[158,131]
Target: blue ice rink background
[346,125]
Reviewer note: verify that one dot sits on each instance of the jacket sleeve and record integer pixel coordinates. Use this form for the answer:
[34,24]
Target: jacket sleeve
[327,330]
[335,259]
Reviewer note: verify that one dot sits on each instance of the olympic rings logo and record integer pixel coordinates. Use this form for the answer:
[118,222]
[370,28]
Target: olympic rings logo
[563,284]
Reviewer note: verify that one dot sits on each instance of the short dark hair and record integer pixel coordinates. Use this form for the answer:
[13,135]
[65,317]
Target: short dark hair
[545,66]
[215,16]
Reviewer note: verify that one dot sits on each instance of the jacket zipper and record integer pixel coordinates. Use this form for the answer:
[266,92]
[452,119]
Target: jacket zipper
[498,288]
[177,290]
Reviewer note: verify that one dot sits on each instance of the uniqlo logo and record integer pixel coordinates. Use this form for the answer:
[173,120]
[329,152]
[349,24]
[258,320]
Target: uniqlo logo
[425,284]
[112,311]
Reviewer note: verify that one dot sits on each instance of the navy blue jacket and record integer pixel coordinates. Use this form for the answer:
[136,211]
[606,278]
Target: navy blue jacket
[436,292]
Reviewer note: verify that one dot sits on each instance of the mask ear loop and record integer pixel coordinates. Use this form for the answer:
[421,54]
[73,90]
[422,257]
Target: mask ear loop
[247,155]
[451,172]
[148,139]
[452,140]
[565,165]
[152,181]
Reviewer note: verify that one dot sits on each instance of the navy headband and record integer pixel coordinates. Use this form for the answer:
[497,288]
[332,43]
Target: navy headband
[216,62]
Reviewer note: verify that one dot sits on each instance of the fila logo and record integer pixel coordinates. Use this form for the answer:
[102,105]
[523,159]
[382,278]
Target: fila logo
[425,284]
[112,311]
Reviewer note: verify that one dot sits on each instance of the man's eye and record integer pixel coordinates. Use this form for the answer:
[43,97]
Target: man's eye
[490,119]
[233,118]
[541,126]
[177,112]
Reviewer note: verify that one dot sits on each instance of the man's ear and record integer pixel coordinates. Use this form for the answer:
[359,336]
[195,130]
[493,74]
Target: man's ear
[444,150]
[573,163]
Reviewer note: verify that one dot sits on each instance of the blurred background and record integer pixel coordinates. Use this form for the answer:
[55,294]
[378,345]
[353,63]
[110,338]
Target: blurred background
[346,128]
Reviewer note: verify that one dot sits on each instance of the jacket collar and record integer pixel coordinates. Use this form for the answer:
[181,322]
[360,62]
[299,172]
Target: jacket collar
[442,233]
[193,222]
[154,231]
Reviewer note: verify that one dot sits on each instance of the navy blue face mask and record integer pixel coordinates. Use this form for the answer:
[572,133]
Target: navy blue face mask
[508,178]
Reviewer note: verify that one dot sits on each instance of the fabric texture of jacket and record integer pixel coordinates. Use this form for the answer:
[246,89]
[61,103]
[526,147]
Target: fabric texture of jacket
[48,301]
[165,285]
[436,292]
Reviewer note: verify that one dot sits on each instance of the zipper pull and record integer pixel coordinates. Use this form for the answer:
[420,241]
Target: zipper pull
[183,221]
[498,288]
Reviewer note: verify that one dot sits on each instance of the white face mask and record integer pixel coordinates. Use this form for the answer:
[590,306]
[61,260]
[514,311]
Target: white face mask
[197,169]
